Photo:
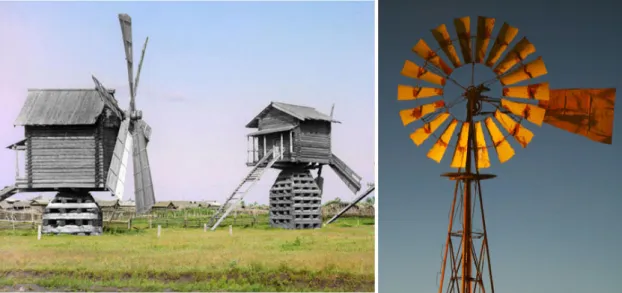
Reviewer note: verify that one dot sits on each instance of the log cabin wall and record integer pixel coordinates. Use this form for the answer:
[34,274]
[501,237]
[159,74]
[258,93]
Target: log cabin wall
[62,156]
[109,130]
[312,141]
[275,119]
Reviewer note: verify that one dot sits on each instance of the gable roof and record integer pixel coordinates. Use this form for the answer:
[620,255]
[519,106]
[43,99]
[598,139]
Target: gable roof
[163,204]
[61,107]
[301,113]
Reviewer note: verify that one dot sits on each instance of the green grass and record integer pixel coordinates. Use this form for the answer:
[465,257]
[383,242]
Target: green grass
[339,257]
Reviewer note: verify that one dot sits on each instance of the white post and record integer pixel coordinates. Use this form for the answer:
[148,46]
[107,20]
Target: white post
[159,230]
[230,230]
[204,227]
[281,145]
[39,233]
[16,162]
[150,221]
[291,142]
[264,146]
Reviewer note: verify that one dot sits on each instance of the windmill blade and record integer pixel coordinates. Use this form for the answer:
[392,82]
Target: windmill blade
[538,91]
[522,135]
[413,114]
[503,40]
[533,69]
[518,54]
[531,113]
[423,50]
[460,153]
[140,65]
[422,134]
[110,101]
[117,171]
[483,160]
[504,150]
[463,28]
[586,112]
[485,25]
[413,70]
[437,152]
[143,185]
[444,40]
[126,30]
[406,92]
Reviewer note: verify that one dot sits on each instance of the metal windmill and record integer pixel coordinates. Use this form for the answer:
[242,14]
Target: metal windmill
[587,112]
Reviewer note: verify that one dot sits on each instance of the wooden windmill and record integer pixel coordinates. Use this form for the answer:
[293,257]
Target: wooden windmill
[587,112]
[78,141]
[295,139]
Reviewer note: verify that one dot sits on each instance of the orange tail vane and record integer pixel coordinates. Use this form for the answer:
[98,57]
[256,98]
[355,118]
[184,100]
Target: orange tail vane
[504,38]
[420,135]
[423,50]
[522,135]
[531,113]
[483,160]
[414,114]
[444,40]
[586,112]
[538,91]
[522,50]
[502,146]
[460,153]
[437,152]
[413,70]
[406,92]
[485,25]
[463,28]
[533,69]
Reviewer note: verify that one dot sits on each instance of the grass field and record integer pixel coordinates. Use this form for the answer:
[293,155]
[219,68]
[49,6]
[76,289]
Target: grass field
[339,257]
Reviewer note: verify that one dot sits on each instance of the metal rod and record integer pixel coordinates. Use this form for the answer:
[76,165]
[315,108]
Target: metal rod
[466,225]
[448,241]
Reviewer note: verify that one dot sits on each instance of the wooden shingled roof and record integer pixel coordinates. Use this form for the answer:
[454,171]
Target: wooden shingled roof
[61,107]
[299,112]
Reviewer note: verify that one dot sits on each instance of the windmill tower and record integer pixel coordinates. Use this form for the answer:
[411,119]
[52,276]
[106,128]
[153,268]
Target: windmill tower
[78,141]
[587,112]
[295,139]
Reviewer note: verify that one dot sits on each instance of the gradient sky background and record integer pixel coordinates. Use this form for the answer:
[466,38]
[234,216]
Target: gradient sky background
[553,213]
[209,69]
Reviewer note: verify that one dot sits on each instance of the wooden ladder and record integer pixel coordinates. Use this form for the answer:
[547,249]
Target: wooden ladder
[241,190]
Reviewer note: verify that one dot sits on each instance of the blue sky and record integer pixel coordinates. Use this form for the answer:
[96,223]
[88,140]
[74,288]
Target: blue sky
[553,213]
[210,67]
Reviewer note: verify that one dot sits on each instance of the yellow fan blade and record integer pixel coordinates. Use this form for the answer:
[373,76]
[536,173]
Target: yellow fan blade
[520,133]
[460,153]
[587,112]
[483,161]
[538,91]
[414,114]
[406,92]
[420,135]
[521,50]
[504,38]
[502,146]
[463,28]
[423,50]
[533,69]
[437,152]
[532,113]
[485,25]
[413,70]
[444,40]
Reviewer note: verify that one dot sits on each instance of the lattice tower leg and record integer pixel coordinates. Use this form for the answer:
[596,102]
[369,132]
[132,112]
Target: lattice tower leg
[295,200]
[467,190]
[74,213]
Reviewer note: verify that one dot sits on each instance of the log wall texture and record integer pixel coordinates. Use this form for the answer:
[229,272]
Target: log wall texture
[312,142]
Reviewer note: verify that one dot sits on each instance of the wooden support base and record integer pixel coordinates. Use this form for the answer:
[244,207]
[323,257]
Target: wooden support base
[74,213]
[295,200]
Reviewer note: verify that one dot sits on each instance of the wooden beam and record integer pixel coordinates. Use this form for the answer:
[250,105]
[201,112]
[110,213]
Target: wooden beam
[264,145]
[282,145]
[291,142]
[16,164]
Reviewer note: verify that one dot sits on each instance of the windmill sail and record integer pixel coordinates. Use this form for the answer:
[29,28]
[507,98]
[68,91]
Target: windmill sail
[586,112]
[143,185]
[118,165]
[347,175]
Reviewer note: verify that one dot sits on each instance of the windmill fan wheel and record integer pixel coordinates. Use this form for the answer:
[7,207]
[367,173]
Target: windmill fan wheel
[511,107]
